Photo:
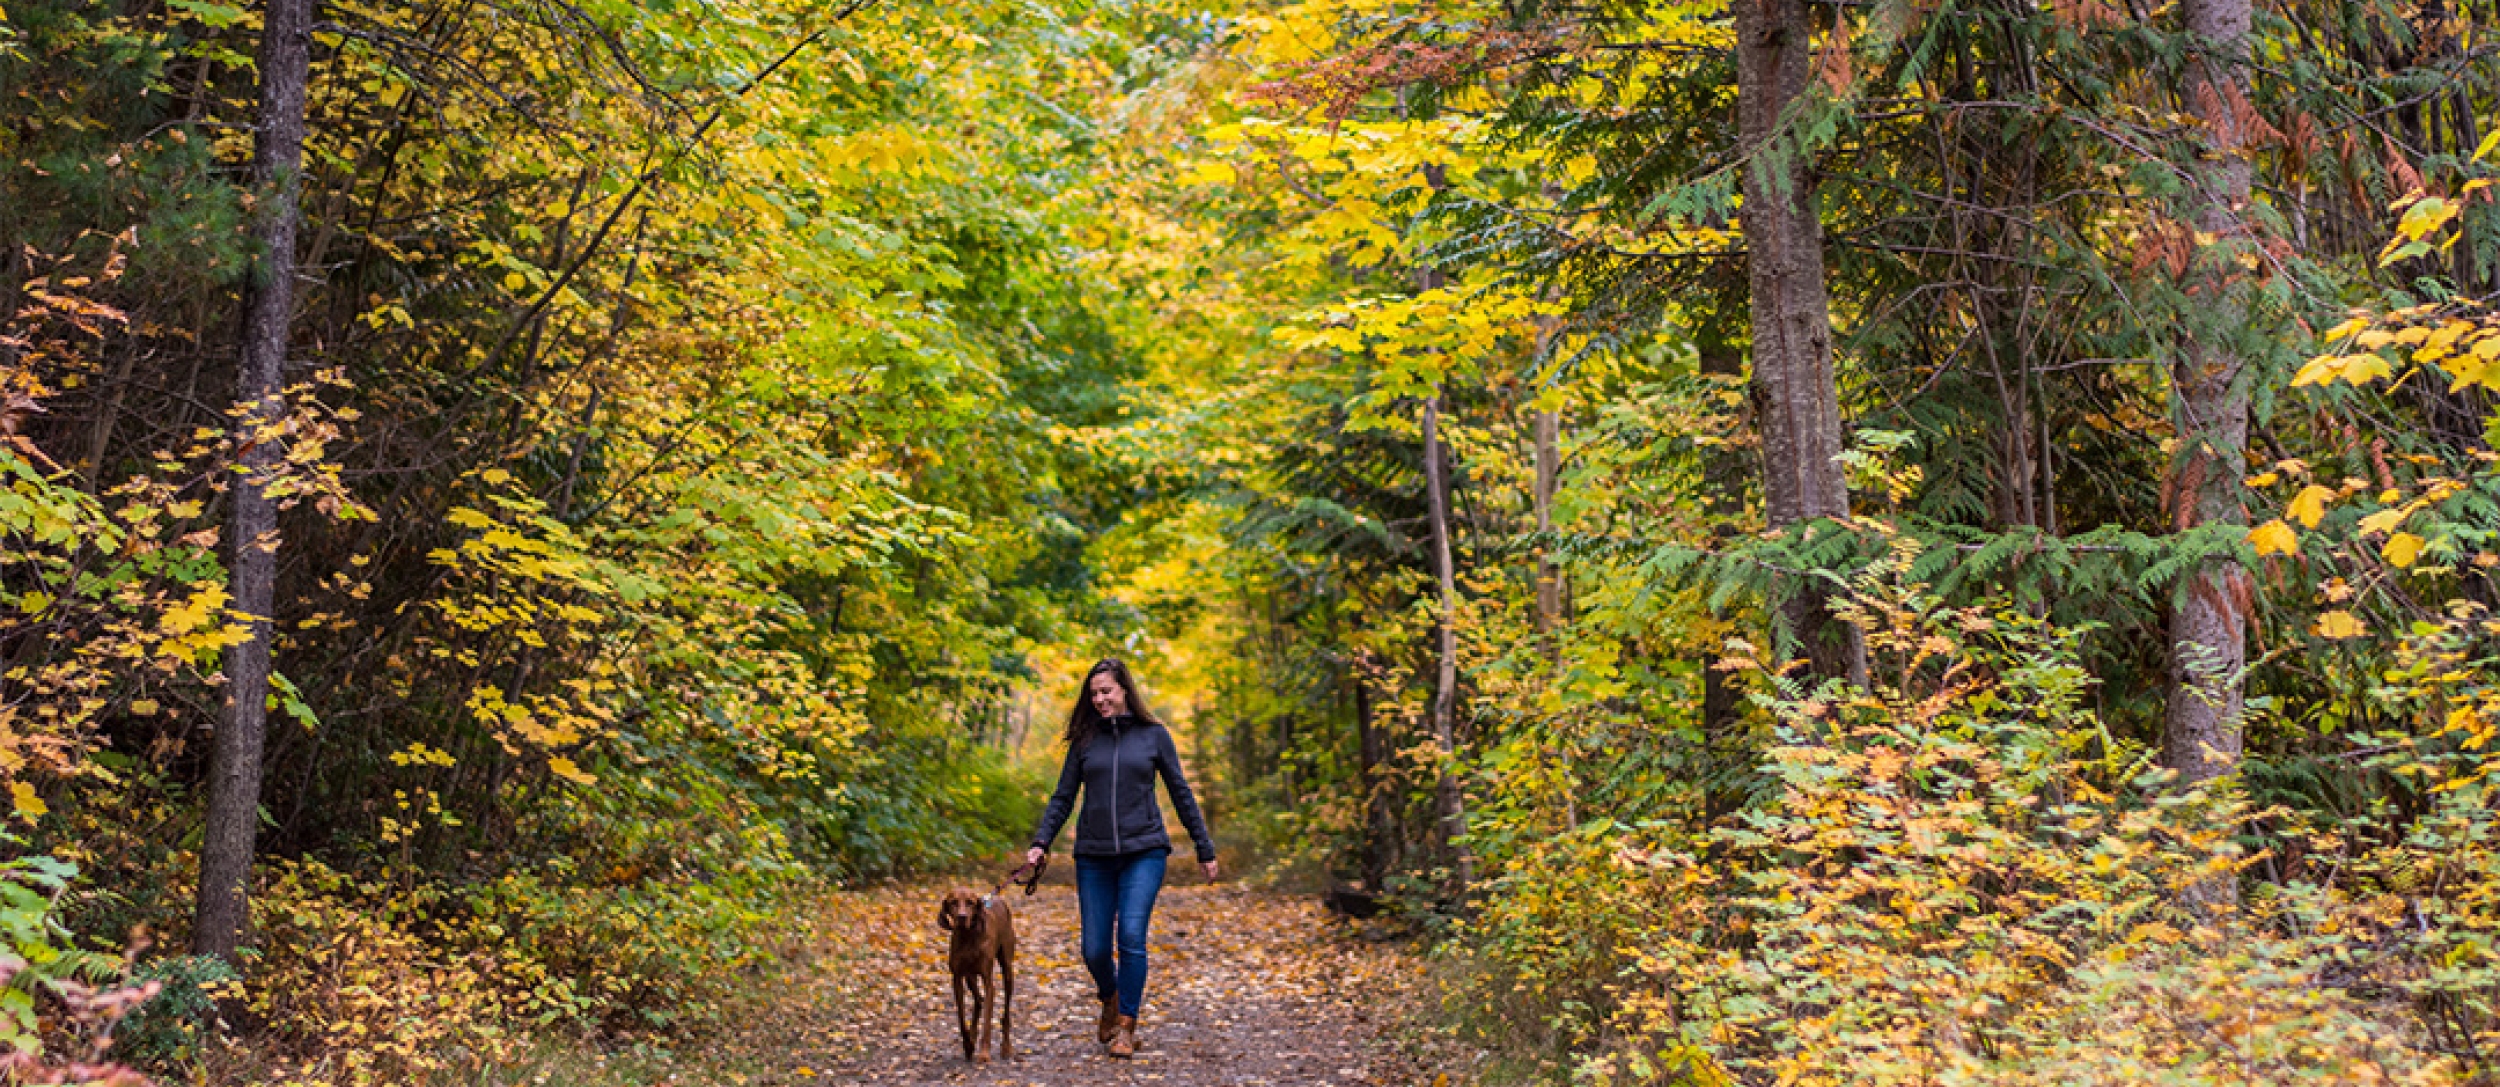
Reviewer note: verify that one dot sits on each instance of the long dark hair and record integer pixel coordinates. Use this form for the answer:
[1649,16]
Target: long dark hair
[1084,720]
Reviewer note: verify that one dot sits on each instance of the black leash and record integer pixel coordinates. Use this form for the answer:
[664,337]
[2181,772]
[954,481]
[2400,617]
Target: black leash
[1029,874]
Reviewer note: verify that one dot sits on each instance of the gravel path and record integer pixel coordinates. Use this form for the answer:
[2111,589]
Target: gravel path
[1248,990]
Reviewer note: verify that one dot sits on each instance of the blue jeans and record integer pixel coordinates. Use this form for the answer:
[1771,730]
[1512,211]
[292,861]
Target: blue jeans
[1118,893]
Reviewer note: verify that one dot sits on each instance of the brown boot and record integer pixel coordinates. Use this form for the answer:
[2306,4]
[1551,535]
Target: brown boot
[1124,1038]
[1110,1021]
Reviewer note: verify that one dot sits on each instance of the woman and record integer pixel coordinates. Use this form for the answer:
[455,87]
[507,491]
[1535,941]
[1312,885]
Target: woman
[1115,750]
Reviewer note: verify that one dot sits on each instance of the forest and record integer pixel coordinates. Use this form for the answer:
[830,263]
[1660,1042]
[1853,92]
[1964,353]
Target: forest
[1757,541]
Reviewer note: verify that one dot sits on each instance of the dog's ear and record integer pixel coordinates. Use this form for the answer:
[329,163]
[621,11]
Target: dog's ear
[946,910]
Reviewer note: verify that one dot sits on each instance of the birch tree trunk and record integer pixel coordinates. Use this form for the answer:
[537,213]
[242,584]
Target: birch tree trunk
[1792,324]
[2209,406]
[1449,808]
[235,761]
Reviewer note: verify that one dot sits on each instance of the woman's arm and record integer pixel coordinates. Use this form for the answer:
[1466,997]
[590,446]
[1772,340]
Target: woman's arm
[1168,759]
[1062,802]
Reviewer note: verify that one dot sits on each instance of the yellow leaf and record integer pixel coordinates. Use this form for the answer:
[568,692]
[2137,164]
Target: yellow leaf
[2317,371]
[143,707]
[2383,521]
[28,804]
[2349,327]
[564,768]
[2402,548]
[2360,368]
[2426,215]
[1210,173]
[2472,369]
[2339,625]
[514,281]
[2309,507]
[2273,538]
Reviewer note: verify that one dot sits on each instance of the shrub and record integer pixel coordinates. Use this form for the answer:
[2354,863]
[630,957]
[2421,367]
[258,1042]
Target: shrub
[173,1027]
[1958,878]
[361,983]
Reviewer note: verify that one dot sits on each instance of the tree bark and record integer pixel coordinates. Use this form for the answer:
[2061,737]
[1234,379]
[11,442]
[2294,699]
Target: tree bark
[1723,478]
[1380,819]
[2209,407]
[1791,318]
[1548,439]
[1449,808]
[235,762]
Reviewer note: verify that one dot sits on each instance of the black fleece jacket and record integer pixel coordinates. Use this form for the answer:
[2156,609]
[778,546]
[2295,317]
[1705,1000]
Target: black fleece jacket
[1117,769]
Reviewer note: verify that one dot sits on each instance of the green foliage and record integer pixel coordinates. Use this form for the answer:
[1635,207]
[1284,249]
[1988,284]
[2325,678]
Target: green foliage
[703,425]
[1954,879]
[709,479]
[173,1028]
[40,954]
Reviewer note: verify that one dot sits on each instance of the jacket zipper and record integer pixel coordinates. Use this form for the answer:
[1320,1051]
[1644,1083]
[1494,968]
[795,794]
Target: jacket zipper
[1116,737]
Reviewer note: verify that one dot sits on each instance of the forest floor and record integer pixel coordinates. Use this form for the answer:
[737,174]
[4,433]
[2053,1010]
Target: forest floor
[1249,989]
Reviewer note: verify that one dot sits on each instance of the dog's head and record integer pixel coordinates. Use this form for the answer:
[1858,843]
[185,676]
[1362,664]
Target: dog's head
[961,912]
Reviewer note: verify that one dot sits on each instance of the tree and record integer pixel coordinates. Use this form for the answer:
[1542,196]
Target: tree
[1449,807]
[1791,311]
[2209,407]
[252,534]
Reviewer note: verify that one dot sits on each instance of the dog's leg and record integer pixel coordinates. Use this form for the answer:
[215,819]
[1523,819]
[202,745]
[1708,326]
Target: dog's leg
[963,1027]
[1006,1006]
[984,989]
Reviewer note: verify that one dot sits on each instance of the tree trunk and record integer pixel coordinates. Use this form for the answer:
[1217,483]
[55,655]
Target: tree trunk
[1723,479]
[1380,822]
[234,764]
[1792,326]
[108,416]
[2209,405]
[1548,440]
[1449,809]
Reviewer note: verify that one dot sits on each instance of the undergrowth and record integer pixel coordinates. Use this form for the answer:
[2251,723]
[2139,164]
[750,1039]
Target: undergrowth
[1956,879]
[654,917]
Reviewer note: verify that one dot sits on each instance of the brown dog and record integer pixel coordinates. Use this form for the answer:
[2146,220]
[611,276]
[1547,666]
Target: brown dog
[984,932]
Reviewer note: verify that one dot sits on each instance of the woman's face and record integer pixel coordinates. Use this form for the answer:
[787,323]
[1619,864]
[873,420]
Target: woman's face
[1109,699]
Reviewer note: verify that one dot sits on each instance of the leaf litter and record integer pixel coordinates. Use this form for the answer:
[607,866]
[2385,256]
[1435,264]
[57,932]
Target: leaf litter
[1248,989]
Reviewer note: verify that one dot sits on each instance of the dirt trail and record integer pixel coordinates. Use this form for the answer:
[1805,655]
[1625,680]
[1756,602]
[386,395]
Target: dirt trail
[1248,989]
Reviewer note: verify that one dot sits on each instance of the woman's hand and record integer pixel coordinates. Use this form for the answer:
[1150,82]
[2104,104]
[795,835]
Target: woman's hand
[1209,868]
[1033,855]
